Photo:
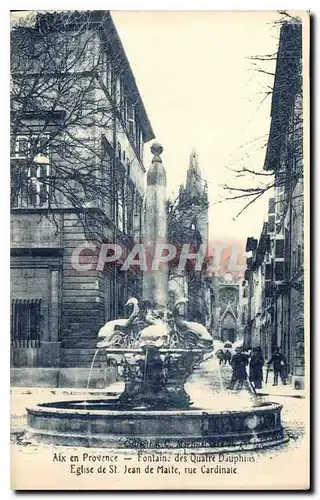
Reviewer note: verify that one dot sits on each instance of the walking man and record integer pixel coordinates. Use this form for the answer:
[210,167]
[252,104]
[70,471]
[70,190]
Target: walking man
[220,356]
[255,367]
[227,356]
[238,364]
[227,348]
[279,362]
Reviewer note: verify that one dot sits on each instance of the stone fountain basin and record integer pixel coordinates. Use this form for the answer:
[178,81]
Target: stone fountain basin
[102,423]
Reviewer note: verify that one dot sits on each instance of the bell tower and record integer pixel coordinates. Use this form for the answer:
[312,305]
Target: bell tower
[195,199]
[193,208]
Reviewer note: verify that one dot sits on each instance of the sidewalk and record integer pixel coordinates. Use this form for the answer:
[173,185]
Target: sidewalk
[279,390]
[112,389]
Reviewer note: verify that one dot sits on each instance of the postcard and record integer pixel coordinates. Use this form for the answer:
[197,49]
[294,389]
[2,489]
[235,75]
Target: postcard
[159,169]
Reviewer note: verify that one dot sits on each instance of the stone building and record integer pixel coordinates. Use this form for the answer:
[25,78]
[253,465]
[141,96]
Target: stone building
[215,296]
[228,308]
[277,264]
[189,226]
[258,331]
[57,310]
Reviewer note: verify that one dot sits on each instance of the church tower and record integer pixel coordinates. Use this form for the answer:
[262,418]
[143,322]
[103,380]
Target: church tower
[194,199]
[193,229]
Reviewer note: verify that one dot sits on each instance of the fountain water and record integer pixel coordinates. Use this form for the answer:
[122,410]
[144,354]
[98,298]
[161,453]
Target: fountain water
[157,351]
[91,367]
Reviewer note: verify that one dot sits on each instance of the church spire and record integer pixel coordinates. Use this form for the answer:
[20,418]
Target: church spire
[194,184]
[193,173]
[194,161]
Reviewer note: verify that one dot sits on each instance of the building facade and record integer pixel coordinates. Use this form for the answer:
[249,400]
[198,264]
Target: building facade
[229,308]
[275,273]
[57,309]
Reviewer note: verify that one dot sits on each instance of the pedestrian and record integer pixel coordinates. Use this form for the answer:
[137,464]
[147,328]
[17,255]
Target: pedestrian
[220,356]
[239,373]
[227,356]
[255,367]
[279,362]
[227,349]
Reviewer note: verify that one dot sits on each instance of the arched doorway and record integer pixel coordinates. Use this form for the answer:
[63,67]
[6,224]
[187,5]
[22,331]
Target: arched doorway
[228,328]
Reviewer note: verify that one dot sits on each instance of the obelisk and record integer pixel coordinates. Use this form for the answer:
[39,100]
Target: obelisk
[155,281]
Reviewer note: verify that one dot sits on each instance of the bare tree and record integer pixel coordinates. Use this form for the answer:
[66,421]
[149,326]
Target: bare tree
[68,102]
[283,167]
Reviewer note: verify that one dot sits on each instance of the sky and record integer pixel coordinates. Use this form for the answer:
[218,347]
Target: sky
[201,91]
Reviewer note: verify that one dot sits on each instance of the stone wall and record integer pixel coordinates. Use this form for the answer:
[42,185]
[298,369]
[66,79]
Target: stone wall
[82,293]
[297,328]
[30,230]
[62,377]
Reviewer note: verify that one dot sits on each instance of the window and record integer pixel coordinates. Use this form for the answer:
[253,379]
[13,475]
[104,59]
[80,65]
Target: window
[131,121]
[106,173]
[271,225]
[138,137]
[123,101]
[272,207]
[268,272]
[279,271]
[268,290]
[30,171]
[279,253]
[33,147]
[120,210]
[130,208]
[26,322]
[20,147]
[118,91]
[107,70]
[120,204]
[137,133]
[137,215]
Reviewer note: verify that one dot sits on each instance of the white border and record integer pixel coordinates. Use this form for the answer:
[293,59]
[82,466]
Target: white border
[312,5]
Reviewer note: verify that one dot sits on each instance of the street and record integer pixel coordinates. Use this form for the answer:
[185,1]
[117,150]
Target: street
[208,389]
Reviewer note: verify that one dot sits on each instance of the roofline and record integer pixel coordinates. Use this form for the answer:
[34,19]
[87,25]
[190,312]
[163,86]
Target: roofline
[287,32]
[148,131]
[104,18]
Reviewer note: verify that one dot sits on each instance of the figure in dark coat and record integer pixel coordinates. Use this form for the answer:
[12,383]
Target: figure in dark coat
[227,356]
[220,356]
[255,367]
[279,362]
[239,373]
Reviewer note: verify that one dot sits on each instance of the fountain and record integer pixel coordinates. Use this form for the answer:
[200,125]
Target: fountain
[156,351]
